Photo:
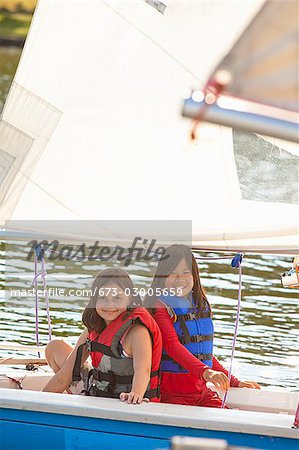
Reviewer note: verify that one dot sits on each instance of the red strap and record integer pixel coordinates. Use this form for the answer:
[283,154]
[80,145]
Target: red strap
[18,382]
[211,91]
[296,421]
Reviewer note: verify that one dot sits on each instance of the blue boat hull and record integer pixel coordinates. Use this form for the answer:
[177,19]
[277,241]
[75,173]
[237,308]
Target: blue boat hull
[46,431]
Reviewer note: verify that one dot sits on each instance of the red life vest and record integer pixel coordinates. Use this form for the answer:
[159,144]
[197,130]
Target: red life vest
[108,343]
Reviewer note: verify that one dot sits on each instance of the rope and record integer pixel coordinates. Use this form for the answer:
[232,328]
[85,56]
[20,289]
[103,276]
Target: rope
[34,282]
[212,91]
[2,360]
[152,41]
[14,380]
[44,273]
[236,262]
[296,421]
[38,255]
[211,258]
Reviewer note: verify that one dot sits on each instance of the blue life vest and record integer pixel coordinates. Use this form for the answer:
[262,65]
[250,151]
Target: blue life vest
[194,329]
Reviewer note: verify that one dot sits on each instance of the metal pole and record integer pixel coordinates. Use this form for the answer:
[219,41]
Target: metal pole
[242,119]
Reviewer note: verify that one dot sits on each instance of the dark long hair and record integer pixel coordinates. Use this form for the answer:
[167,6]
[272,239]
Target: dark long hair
[90,317]
[170,260]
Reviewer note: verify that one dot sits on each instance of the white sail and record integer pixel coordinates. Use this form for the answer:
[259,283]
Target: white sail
[92,128]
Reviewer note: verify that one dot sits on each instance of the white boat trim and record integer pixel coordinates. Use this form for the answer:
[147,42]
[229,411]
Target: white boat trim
[229,420]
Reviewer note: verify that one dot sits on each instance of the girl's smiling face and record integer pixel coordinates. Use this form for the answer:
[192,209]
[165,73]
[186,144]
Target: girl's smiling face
[180,279]
[111,302]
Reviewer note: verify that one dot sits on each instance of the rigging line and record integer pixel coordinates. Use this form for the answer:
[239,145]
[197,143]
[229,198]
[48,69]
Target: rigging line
[164,50]
[36,304]
[210,258]
[44,273]
[236,262]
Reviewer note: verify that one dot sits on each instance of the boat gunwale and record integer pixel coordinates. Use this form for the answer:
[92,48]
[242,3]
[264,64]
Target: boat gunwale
[228,420]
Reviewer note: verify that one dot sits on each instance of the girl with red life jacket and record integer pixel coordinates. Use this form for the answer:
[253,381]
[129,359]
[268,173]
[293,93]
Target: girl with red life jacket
[183,313]
[123,340]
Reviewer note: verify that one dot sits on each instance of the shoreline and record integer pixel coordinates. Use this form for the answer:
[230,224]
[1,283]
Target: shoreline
[12,41]
[14,27]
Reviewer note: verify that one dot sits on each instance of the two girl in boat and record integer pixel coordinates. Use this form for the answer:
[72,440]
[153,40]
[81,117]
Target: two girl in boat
[159,351]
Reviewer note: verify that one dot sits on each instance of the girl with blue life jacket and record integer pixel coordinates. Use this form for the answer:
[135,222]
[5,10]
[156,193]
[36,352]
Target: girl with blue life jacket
[183,313]
[123,341]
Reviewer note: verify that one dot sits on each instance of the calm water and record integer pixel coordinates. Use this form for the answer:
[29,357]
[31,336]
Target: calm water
[268,331]
[266,348]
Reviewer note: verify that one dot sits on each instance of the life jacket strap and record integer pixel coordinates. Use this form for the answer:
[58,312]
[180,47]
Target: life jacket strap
[76,376]
[96,392]
[94,346]
[183,318]
[151,393]
[112,378]
[194,316]
[195,338]
[91,346]
[201,357]
[185,330]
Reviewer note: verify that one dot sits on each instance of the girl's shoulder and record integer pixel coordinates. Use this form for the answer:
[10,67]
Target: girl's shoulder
[136,333]
[138,328]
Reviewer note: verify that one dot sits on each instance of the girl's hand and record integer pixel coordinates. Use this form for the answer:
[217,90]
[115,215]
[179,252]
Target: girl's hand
[249,384]
[132,397]
[219,379]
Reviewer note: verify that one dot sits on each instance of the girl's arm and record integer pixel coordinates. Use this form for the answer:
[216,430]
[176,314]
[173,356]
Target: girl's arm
[173,346]
[62,379]
[182,356]
[139,345]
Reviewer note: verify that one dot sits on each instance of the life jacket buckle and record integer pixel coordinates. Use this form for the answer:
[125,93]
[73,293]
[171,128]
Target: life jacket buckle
[192,316]
[88,345]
